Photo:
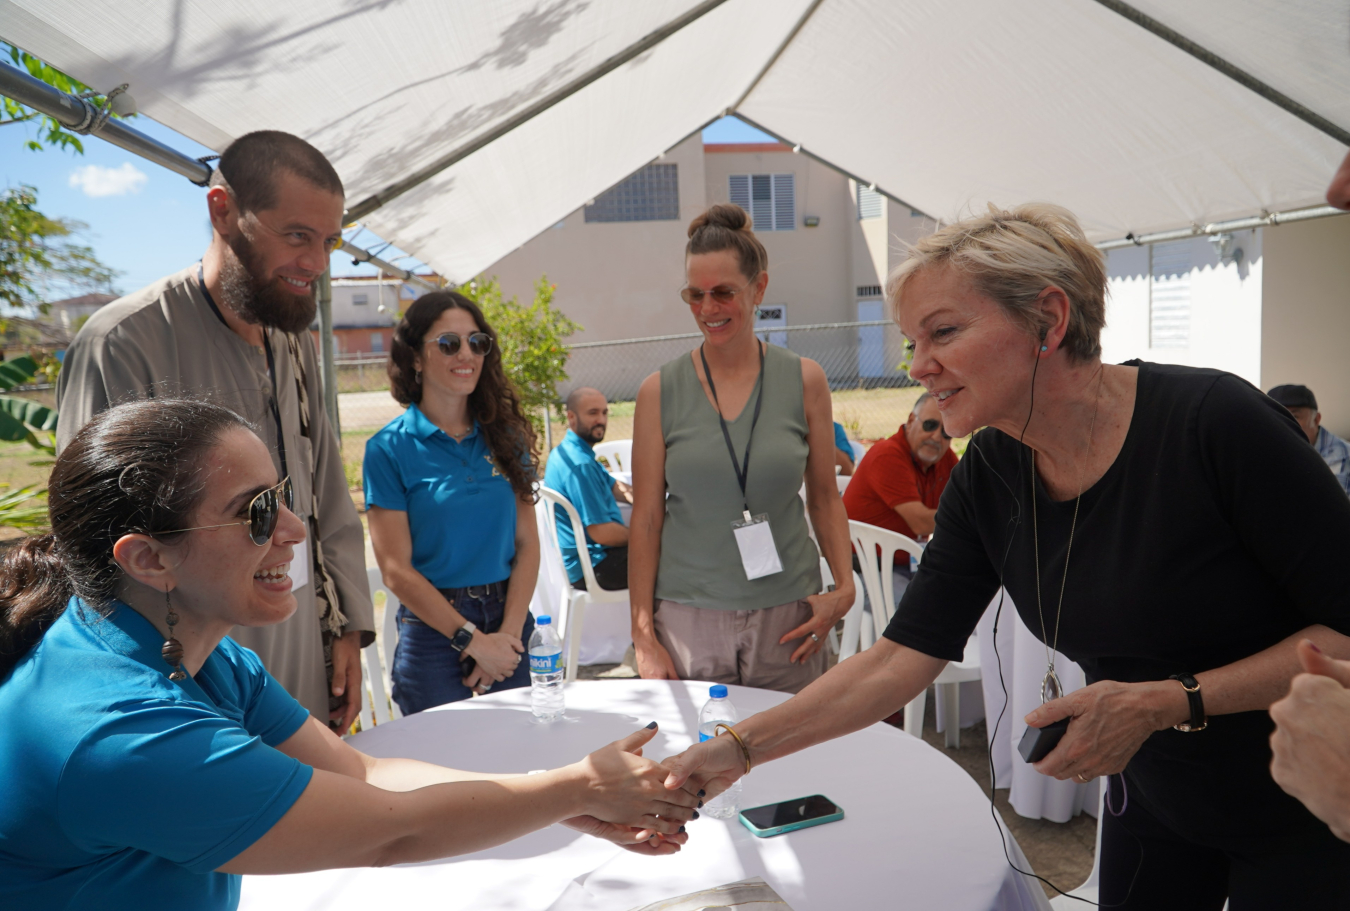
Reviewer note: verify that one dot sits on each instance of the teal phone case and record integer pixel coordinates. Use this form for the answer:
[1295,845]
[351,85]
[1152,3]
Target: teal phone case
[790,827]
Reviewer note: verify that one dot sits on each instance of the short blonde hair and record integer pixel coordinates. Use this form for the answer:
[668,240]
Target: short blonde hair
[1011,256]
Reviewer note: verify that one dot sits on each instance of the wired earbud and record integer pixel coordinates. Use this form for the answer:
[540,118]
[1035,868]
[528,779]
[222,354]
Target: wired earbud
[1043,348]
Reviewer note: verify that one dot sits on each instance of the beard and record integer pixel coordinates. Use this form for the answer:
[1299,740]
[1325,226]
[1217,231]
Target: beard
[594,433]
[260,301]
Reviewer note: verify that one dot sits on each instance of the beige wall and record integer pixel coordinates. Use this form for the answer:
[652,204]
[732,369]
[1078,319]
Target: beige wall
[1305,313]
[618,279]
[808,267]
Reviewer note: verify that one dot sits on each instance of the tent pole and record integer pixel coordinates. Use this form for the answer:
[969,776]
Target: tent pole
[815,5]
[78,114]
[327,364]
[1238,75]
[797,147]
[398,188]
[1268,220]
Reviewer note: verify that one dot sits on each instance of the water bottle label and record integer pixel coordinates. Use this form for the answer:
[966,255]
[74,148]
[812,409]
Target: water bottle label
[546,664]
[702,737]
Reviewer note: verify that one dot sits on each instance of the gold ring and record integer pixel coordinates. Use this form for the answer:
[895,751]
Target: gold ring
[1080,777]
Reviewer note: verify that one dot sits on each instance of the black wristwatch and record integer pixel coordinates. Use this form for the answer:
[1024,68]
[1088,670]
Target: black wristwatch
[1198,720]
[463,636]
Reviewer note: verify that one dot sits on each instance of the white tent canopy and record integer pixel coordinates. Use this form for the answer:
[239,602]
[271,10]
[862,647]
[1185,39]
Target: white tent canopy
[945,104]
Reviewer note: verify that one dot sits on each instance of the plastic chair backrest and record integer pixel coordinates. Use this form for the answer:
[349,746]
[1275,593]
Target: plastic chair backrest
[378,683]
[858,451]
[619,454]
[842,481]
[880,585]
[593,588]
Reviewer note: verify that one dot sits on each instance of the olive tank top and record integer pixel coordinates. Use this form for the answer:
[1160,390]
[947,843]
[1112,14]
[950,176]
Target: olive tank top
[700,563]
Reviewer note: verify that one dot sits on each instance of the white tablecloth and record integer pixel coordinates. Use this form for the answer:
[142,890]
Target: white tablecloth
[1032,795]
[917,831]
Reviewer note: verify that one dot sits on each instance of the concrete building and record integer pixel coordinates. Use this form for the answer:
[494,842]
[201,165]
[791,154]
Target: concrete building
[365,310]
[619,262]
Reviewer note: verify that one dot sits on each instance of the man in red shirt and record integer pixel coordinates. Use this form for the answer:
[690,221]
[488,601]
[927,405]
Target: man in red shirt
[898,482]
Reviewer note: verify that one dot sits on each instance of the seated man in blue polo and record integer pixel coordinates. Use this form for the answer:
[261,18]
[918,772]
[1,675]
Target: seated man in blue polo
[574,472]
[843,450]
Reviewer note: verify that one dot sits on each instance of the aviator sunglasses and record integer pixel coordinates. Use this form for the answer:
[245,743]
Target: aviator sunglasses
[722,293]
[480,343]
[933,424]
[263,512]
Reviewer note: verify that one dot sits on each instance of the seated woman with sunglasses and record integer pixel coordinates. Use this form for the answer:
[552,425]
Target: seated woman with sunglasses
[148,760]
[450,503]
[723,575]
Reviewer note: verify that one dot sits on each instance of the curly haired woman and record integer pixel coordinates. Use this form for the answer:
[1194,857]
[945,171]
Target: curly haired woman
[450,505]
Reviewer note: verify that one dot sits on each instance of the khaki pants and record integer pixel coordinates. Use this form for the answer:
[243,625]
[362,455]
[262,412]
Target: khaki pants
[738,646]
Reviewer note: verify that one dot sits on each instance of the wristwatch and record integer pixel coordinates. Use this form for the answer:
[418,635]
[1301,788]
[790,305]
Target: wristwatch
[1198,720]
[463,636]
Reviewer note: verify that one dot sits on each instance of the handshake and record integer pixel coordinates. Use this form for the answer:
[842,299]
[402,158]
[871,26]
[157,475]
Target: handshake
[642,805]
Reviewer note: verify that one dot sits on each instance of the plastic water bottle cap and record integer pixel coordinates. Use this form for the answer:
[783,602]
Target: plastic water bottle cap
[718,691]
[546,620]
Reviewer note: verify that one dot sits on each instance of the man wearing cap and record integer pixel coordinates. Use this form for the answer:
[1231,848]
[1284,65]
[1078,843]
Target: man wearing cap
[1302,404]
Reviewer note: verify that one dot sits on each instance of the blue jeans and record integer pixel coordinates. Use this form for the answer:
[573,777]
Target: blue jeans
[427,672]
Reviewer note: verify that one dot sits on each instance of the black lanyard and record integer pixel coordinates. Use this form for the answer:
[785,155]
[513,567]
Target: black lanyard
[271,369]
[741,473]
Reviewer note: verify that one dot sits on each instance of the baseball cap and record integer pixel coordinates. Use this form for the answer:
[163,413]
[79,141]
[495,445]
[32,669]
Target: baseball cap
[1292,395]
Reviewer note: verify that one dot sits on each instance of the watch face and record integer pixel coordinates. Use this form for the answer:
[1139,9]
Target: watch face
[461,639]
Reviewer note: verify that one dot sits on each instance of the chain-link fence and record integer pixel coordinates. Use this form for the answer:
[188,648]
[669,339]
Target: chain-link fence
[872,395]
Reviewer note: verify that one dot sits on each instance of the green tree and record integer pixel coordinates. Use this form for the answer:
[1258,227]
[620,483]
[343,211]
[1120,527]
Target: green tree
[50,132]
[39,255]
[531,339]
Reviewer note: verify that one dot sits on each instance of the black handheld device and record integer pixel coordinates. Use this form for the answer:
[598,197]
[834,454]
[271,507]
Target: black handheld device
[1037,743]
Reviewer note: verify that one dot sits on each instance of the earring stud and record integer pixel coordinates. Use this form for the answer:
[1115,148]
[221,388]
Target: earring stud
[1043,348]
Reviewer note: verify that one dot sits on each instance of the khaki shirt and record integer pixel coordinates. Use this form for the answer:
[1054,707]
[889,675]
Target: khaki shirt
[166,340]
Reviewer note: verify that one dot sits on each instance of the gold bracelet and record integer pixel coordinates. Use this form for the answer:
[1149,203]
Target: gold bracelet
[745,750]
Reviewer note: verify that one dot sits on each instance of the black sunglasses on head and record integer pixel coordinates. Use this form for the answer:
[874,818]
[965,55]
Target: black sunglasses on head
[933,424]
[263,512]
[480,343]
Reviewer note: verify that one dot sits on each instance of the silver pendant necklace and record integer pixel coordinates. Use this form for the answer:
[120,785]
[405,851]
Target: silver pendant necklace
[1050,685]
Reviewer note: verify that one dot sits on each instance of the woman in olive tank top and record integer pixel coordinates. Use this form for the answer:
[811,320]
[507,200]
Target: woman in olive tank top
[724,578]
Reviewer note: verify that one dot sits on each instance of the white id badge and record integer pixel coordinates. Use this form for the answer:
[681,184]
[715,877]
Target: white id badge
[759,555]
[300,566]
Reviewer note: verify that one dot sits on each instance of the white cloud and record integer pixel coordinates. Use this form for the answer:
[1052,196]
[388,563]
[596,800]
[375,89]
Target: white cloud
[96,180]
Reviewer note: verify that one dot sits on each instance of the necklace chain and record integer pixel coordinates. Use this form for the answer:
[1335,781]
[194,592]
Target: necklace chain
[1052,645]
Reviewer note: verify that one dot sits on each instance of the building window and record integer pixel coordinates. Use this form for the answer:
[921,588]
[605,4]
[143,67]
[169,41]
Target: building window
[771,199]
[650,194]
[359,299]
[1169,295]
[377,343]
[870,203]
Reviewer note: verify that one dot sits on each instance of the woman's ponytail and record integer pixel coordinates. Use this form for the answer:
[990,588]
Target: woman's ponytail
[34,589]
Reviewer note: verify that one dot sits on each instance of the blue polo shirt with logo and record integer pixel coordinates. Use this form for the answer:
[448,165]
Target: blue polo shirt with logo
[461,508]
[574,472]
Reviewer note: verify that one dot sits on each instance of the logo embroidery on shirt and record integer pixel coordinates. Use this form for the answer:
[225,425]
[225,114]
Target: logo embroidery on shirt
[495,472]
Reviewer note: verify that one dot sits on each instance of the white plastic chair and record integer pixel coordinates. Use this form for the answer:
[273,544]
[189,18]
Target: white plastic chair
[619,454]
[857,452]
[881,593]
[377,707]
[845,645]
[1088,890]
[842,480]
[573,603]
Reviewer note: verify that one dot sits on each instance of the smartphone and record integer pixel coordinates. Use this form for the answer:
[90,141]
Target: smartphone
[802,813]
[1037,743]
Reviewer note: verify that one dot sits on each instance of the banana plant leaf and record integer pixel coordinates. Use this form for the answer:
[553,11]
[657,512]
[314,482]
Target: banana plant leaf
[17,372]
[19,417]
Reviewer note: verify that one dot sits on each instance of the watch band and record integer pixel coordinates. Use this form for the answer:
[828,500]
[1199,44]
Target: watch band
[463,636]
[1198,720]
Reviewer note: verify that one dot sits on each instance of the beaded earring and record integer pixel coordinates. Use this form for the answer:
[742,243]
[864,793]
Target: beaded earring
[172,651]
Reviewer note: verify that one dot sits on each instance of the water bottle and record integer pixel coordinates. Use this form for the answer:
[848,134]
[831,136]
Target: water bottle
[546,671]
[719,710]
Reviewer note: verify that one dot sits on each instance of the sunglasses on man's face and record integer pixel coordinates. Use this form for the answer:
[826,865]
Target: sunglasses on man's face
[933,424]
[263,512]
[723,294]
[480,343]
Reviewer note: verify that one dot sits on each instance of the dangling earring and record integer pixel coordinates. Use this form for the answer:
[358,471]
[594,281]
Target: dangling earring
[418,375]
[173,649]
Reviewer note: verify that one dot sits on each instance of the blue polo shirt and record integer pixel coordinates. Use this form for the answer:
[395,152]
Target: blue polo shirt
[841,441]
[574,472]
[123,790]
[461,509]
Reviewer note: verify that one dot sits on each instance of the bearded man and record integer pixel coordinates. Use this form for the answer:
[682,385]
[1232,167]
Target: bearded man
[234,328]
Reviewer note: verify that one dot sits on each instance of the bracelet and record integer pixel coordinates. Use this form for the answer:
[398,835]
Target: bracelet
[745,750]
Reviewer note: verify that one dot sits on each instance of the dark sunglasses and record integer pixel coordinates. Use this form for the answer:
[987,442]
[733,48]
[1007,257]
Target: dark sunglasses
[933,424]
[480,343]
[263,512]
[722,293]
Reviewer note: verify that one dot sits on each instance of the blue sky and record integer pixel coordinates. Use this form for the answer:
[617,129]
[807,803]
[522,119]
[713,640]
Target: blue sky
[148,222]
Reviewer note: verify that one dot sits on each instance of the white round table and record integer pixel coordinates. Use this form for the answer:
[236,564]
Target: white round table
[917,832]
